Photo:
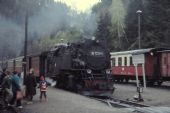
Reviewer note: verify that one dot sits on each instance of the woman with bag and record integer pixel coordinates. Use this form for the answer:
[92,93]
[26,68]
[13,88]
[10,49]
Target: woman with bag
[16,90]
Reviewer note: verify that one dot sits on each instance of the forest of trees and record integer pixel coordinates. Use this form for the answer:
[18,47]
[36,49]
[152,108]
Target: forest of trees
[111,21]
[122,32]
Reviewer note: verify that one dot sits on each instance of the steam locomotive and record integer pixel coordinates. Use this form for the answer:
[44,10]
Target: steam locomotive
[83,67]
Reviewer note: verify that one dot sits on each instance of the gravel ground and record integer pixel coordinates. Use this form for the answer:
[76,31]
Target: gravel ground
[156,96]
[60,101]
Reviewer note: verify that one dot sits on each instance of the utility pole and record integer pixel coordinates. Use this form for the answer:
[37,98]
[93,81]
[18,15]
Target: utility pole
[139,12]
[25,44]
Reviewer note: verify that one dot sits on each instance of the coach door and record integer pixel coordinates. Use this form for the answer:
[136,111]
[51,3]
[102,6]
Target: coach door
[168,65]
[43,65]
[165,65]
[156,67]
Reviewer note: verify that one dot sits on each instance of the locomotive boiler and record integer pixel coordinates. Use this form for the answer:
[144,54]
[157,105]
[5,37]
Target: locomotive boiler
[83,67]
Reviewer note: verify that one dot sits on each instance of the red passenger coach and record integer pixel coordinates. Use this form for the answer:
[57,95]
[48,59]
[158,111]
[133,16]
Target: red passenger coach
[18,66]
[34,63]
[14,64]
[156,61]
[38,63]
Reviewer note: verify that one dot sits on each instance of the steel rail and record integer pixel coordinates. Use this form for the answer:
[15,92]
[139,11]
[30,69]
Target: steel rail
[128,102]
[113,102]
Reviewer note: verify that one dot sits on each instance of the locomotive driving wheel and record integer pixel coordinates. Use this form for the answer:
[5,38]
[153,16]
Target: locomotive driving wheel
[70,83]
[151,83]
[127,80]
[159,83]
[61,82]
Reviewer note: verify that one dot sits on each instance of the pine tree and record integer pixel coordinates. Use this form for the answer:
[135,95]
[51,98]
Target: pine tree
[157,23]
[103,30]
[118,13]
[131,23]
[154,23]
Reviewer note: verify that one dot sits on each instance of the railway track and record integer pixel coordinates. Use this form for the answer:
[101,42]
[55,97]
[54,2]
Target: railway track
[165,85]
[113,102]
[132,106]
[129,106]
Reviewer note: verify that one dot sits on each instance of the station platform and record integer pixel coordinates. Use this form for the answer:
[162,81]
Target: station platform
[60,101]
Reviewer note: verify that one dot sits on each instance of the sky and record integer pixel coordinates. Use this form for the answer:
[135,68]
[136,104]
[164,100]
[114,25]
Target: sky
[80,5]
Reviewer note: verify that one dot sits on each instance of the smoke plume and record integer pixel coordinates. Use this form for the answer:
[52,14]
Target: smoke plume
[49,20]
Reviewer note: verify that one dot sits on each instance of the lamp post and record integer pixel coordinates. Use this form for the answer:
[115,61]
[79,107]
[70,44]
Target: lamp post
[139,12]
[25,44]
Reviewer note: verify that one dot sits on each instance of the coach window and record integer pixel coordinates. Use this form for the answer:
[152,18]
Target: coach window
[119,61]
[131,63]
[113,61]
[125,61]
[165,60]
[16,63]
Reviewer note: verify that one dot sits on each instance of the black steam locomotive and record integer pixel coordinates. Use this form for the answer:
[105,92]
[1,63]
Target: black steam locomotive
[83,67]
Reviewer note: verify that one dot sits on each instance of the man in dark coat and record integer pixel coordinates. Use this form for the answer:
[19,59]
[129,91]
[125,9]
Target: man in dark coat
[30,83]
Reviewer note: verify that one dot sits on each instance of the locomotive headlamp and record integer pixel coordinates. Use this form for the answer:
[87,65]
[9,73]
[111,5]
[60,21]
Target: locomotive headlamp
[108,71]
[89,71]
[151,53]
[97,41]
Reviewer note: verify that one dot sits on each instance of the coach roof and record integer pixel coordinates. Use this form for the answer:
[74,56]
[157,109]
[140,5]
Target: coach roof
[139,51]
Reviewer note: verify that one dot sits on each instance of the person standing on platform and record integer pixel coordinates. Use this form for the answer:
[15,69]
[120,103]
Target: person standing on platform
[15,80]
[2,75]
[43,88]
[6,86]
[30,83]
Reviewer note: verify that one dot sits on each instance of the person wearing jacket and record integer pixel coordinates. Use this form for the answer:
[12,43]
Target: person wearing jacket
[6,86]
[30,83]
[2,75]
[15,80]
[43,88]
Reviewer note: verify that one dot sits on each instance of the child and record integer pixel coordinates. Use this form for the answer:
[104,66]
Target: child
[43,88]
